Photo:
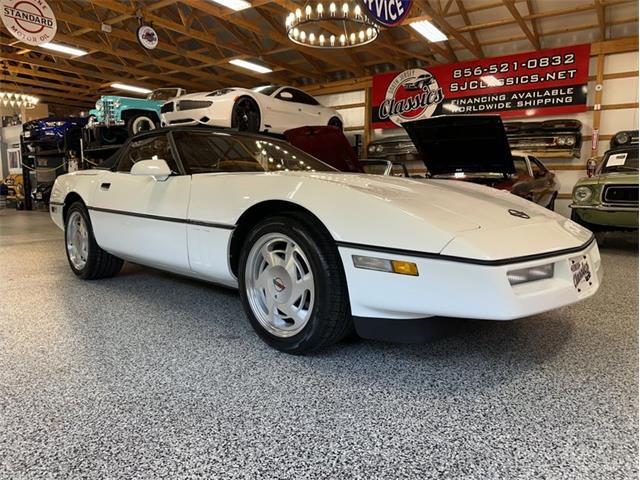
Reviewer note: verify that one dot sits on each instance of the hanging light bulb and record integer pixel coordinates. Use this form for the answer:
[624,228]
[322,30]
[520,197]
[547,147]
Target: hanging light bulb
[296,32]
[352,37]
[332,9]
[321,40]
[303,36]
[312,38]
[307,11]
[332,40]
[369,32]
[361,35]
[357,11]
[319,9]
[343,39]
[345,9]
[298,13]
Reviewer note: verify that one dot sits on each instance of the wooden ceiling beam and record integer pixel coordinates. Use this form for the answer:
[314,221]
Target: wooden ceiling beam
[515,13]
[49,75]
[467,21]
[602,22]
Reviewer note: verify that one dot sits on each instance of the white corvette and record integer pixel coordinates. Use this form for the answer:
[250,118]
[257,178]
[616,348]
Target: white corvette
[313,251]
[270,108]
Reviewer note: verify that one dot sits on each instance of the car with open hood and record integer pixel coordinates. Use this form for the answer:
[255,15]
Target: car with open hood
[608,199]
[315,252]
[268,108]
[474,148]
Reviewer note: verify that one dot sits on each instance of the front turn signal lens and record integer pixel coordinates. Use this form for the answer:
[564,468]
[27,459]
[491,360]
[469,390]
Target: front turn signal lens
[404,268]
[384,265]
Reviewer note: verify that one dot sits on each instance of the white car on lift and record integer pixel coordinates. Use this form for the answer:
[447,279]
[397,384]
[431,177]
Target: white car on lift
[315,252]
[271,108]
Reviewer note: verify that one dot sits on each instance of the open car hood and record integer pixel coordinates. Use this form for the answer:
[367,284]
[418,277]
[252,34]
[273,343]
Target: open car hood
[327,144]
[462,143]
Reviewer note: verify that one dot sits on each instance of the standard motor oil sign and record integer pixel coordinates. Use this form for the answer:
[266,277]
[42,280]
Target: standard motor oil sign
[30,21]
[546,82]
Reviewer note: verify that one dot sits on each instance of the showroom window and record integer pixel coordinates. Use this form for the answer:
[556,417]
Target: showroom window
[149,148]
[203,152]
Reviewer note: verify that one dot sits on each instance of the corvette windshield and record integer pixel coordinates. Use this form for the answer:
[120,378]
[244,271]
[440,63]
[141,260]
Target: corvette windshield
[209,152]
[621,161]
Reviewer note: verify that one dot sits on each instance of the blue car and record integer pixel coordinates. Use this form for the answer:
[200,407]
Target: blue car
[47,134]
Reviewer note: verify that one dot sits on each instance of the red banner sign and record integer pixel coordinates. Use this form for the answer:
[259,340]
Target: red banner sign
[546,82]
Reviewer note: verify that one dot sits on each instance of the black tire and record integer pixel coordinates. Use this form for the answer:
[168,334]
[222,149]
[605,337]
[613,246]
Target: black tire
[246,115]
[330,320]
[110,135]
[99,264]
[335,122]
[142,122]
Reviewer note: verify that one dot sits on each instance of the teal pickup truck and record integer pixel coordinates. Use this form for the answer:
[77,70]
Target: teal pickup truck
[137,114]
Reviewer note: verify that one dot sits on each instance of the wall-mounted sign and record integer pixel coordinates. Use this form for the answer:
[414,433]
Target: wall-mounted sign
[147,37]
[387,13]
[30,21]
[546,82]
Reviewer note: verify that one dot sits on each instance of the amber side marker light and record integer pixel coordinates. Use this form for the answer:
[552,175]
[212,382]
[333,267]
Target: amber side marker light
[385,265]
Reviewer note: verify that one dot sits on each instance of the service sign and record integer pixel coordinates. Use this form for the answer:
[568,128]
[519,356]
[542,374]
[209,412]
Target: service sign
[30,21]
[546,82]
[387,13]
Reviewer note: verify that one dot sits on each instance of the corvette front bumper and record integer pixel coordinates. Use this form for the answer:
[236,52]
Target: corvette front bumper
[454,288]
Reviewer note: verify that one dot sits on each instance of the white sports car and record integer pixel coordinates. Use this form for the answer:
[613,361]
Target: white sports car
[315,252]
[270,108]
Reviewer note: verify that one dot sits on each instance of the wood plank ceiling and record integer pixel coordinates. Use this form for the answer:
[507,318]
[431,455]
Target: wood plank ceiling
[199,37]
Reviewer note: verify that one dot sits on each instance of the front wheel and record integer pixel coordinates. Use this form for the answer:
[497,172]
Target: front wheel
[86,259]
[246,116]
[292,285]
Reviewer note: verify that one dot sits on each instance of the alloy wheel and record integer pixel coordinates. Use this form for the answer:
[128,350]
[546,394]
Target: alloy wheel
[280,285]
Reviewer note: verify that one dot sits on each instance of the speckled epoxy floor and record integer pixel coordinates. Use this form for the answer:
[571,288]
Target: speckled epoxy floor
[148,375]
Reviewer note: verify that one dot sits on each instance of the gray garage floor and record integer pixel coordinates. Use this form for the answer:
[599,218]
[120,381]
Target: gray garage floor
[151,375]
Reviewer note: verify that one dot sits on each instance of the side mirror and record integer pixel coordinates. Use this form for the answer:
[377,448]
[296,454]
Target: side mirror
[592,164]
[286,95]
[158,169]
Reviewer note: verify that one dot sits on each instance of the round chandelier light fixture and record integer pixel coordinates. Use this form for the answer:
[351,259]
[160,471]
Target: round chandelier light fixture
[332,25]
[18,100]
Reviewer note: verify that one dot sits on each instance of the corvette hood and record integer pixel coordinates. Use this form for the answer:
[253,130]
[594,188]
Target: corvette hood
[456,218]
[462,143]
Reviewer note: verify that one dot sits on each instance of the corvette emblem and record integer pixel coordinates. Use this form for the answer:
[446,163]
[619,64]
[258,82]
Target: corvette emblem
[518,213]
[279,284]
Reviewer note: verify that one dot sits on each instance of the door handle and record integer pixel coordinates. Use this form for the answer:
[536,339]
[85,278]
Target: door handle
[105,186]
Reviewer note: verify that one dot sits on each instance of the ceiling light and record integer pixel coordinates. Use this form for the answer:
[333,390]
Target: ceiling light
[130,88]
[233,4]
[250,66]
[429,31]
[58,47]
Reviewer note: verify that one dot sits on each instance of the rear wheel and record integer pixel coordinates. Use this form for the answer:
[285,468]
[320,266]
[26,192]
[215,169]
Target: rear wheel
[292,285]
[335,122]
[141,123]
[246,115]
[86,259]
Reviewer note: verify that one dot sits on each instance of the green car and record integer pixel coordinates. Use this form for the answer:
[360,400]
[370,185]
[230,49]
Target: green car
[609,199]
[137,114]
